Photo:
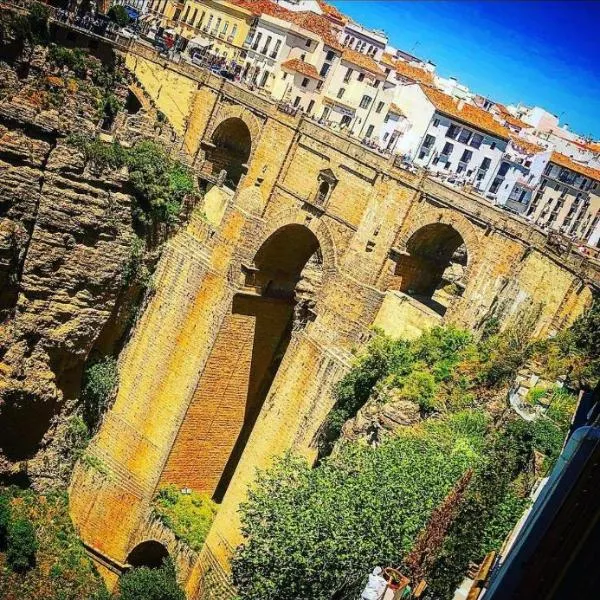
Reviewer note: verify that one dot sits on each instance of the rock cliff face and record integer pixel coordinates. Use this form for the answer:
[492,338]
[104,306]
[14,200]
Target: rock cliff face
[65,237]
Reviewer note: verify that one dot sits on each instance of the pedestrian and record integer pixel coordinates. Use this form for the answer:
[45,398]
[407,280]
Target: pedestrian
[376,586]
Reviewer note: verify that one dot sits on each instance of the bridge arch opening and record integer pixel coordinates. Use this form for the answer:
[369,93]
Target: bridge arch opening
[148,554]
[277,298]
[433,267]
[230,151]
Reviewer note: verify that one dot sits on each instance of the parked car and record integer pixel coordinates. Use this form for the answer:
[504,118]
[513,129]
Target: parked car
[128,33]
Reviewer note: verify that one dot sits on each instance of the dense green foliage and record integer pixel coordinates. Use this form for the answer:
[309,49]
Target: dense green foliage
[99,382]
[40,525]
[151,584]
[490,509]
[312,532]
[118,15]
[21,544]
[441,372]
[159,183]
[189,516]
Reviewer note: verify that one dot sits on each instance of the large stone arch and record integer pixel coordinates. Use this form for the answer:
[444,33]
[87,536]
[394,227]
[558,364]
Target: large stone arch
[318,226]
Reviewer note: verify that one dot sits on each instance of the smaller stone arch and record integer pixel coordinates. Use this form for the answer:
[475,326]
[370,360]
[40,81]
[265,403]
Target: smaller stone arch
[149,553]
[433,261]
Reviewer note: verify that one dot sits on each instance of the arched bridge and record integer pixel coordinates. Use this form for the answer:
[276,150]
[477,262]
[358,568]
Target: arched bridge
[311,240]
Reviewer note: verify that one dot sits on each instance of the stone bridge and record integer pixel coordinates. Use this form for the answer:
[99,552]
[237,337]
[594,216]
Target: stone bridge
[261,298]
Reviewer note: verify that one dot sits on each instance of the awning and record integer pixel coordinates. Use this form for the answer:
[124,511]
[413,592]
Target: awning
[200,42]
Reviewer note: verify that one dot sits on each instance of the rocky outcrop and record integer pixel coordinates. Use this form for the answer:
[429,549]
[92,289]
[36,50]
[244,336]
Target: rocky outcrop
[385,412]
[65,237]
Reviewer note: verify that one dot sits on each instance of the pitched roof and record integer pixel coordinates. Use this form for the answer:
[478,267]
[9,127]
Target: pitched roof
[332,11]
[395,109]
[527,147]
[510,120]
[315,23]
[469,114]
[412,72]
[564,161]
[361,60]
[295,64]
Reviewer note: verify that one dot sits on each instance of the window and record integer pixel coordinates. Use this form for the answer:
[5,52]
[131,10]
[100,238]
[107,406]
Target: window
[495,185]
[453,131]
[493,146]
[308,43]
[464,136]
[340,93]
[466,156]
[326,111]
[187,12]
[324,69]
[218,24]
[194,16]
[311,105]
[503,170]
[199,23]
[210,20]
[370,130]
[387,118]
[366,101]
[485,164]
[256,40]
[429,141]
[266,46]
[330,55]
[319,85]
[361,77]
[376,83]
[323,192]
[225,27]
[476,140]
[276,49]
[297,101]
[386,135]
[305,82]
[436,122]
[380,106]
[447,150]
[264,78]
[522,196]
[348,75]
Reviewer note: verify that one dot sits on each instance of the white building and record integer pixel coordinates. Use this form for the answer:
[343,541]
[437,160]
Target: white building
[460,141]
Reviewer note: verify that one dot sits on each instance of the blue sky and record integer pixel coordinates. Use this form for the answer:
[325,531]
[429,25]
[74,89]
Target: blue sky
[536,52]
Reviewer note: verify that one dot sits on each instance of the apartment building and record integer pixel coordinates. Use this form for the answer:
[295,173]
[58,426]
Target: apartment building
[450,137]
[567,199]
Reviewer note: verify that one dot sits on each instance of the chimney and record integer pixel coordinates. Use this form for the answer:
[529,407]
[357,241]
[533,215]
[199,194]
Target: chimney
[429,66]
[460,103]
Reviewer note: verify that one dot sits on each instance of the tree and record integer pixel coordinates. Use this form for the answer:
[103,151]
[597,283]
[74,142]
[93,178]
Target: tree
[144,583]
[311,533]
[119,15]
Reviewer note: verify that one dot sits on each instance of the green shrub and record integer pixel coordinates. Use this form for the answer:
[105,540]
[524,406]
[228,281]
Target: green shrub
[188,516]
[99,382]
[33,27]
[21,544]
[119,15]
[309,530]
[75,60]
[151,584]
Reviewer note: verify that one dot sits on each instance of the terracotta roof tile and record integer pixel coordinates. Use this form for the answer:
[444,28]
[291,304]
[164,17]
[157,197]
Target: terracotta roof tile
[295,64]
[318,24]
[510,120]
[413,73]
[564,161]
[332,11]
[469,114]
[361,60]
[527,147]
